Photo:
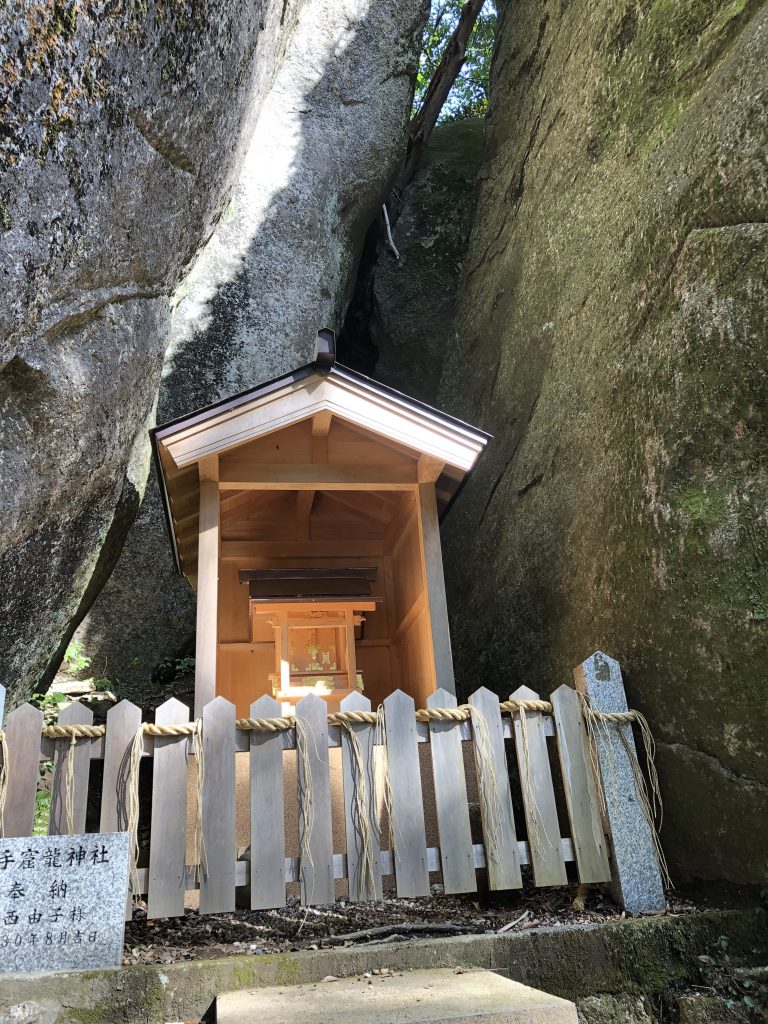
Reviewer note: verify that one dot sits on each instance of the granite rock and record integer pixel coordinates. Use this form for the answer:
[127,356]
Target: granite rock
[414,297]
[611,335]
[124,126]
[326,147]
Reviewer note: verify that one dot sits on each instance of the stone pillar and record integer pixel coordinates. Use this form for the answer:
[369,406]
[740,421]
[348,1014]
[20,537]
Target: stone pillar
[637,883]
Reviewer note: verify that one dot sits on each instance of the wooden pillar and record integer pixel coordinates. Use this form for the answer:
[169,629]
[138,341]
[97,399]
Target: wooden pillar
[434,581]
[208,545]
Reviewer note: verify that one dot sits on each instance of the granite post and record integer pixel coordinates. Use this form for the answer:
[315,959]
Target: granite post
[637,883]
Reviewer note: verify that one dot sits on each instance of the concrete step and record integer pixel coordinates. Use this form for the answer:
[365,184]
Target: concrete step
[416,997]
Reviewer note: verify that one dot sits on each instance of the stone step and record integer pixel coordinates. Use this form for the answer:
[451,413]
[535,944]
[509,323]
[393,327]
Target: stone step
[416,997]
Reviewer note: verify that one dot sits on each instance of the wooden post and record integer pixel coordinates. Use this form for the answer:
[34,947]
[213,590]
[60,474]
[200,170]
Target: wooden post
[434,581]
[637,882]
[206,643]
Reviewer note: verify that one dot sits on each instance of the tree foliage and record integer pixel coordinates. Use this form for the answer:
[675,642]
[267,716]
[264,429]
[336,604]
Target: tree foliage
[469,95]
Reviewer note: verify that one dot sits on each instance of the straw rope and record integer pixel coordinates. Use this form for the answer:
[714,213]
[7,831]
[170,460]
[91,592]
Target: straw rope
[73,732]
[3,779]
[598,723]
[303,730]
[264,724]
[367,864]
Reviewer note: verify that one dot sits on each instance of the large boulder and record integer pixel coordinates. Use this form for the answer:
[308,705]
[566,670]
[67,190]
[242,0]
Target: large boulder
[328,143]
[611,334]
[123,125]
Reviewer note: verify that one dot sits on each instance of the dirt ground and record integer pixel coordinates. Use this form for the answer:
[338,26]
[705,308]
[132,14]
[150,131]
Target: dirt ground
[295,927]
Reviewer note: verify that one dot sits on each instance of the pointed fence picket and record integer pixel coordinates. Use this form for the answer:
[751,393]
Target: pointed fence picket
[267,851]
[546,851]
[406,807]
[217,878]
[22,733]
[80,754]
[167,853]
[502,854]
[456,858]
[315,835]
[556,836]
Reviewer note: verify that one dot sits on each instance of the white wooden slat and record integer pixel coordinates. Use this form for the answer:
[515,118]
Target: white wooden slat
[581,793]
[22,733]
[450,782]
[541,818]
[361,885]
[314,785]
[2,704]
[407,829]
[168,837]
[123,722]
[74,714]
[498,819]
[267,871]
[217,882]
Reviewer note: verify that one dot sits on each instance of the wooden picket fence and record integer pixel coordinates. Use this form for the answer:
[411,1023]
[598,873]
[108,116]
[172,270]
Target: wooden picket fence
[370,855]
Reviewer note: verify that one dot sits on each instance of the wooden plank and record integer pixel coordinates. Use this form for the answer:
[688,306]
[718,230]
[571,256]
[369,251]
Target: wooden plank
[267,811]
[314,475]
[434,588]
[407,830]
[217,881]
[538,796]
[2,703]
[207,585]
[315,817]
[496,797]
[74,714]
[451,799]
[123,722]
[581,793]
[360,805]
[22,734]
[168,837]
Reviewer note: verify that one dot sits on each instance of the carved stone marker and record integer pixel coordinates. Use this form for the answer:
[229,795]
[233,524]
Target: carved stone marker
[637,882]
[62,901]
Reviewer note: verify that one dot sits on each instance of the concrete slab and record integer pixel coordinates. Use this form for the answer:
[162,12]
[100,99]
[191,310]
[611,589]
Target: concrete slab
[415,997]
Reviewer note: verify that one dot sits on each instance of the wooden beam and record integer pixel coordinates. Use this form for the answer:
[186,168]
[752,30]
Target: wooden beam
[429,469]
[321,424]
[364,504]
[304,502]
[432,558]
[238,550]
[313,476]
[209,539]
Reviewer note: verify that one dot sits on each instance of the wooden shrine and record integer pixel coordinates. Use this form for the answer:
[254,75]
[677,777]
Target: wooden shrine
[305,512]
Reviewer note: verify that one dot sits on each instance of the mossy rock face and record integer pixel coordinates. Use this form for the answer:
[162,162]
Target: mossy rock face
[611,335]
[415,295]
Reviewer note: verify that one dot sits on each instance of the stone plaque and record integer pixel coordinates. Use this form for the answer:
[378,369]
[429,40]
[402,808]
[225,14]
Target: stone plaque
[62,901]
